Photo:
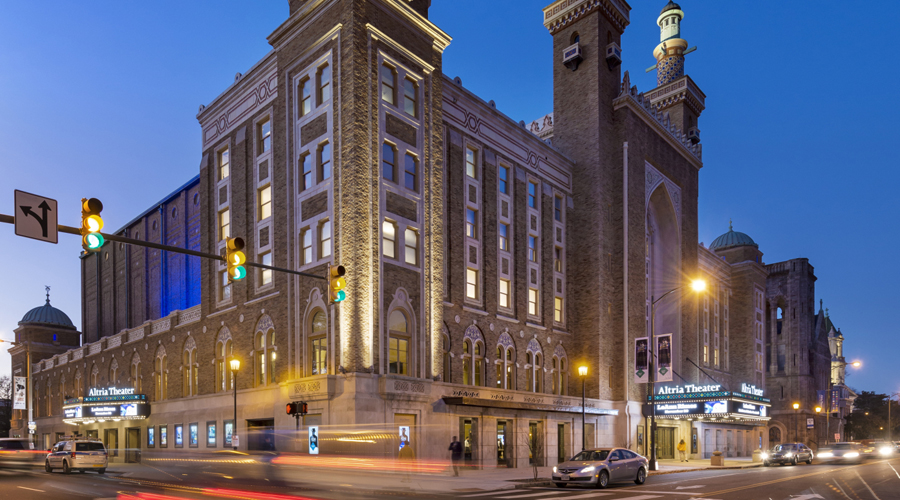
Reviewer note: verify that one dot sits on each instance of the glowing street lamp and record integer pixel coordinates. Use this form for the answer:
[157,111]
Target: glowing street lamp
[796,421]
[235,366]
[582,372]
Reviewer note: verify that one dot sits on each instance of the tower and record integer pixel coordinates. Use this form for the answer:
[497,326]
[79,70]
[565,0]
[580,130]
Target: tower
[676,95]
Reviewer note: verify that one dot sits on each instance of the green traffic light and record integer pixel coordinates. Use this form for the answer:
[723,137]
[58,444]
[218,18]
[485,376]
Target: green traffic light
[340,296]
[238,273]
[94,241]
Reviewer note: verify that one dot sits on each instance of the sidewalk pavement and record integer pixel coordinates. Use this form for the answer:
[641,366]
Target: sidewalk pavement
[470,479]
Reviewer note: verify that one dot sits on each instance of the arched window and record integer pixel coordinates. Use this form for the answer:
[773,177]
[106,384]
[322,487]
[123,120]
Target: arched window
[161,374]
[534,366]
[190,367]
[113,372]
[264,345]
[260,346]
[398,343]
[529,372]
[136,378]
[271,356]
[538,374]
[506,366]
[510,368]
[774,436]
[499,363]
[95,375]
[575,38]
[478,363]
[224,352]
[446,349]
[48,398]
[79,385]
[467,362]
[473,357]
[554,383]
[560,371]
[318,344]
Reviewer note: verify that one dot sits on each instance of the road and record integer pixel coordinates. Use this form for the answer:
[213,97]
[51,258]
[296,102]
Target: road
[875,480]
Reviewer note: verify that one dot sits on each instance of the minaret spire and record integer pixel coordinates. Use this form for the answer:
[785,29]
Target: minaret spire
[47,288]
[669,53]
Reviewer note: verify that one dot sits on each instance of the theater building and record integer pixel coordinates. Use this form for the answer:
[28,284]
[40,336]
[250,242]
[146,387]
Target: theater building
[487,259]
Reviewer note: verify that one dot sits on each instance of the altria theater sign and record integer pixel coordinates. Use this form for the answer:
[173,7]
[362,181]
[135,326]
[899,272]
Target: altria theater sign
[110,391]
[689,389]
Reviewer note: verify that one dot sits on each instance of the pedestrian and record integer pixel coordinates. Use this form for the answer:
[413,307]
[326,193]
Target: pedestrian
[681,451]
[455,454]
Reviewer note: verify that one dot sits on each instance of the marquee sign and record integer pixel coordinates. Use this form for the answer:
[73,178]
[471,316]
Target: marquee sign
[110,391]
[102,404]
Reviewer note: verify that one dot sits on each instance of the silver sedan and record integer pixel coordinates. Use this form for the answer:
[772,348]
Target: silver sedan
[600,467]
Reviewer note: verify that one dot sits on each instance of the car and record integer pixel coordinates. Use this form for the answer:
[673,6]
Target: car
[601,466]
[78,453]
[841,452]
[788,453]
[19,453]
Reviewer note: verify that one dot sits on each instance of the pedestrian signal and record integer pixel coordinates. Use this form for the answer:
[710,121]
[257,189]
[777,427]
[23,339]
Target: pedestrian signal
[91,224]
[336,284]
[235,258]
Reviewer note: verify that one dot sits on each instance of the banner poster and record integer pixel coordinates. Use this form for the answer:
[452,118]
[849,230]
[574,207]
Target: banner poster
[664,358]
[313,440]
[820,399]
[19,399]
[641,360]
[835,399]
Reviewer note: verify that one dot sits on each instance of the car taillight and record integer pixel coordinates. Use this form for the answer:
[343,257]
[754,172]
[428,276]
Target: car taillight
[73,454]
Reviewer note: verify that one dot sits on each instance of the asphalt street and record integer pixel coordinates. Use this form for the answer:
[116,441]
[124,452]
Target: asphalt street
[874,480]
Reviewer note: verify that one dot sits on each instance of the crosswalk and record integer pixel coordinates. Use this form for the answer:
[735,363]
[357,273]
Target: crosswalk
[559,494]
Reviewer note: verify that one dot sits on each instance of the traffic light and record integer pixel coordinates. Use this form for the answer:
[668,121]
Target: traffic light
[336,284]
[292,408]
[91,224]
[235,258]
[304,408]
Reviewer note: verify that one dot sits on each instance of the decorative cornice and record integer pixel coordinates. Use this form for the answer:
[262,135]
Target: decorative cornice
[629,97]
[681,90]
[560,14]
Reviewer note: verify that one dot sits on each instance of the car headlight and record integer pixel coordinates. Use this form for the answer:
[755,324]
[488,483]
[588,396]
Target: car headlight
[852,454]
[885,451]
[589,468]
[788,455]
[764,455]
[554,469]
[825,454]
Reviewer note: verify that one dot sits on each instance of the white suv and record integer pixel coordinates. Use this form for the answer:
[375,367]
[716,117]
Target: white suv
[79,454]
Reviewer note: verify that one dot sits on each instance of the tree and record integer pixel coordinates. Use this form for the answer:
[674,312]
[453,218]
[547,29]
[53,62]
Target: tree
[535,446]
[869,419]
[6,405]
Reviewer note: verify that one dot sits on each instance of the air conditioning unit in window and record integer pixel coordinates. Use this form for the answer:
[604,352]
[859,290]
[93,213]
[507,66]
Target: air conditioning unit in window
[693,134]
[572,56]
[613,55]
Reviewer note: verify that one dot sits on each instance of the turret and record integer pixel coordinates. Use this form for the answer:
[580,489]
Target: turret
[669,53]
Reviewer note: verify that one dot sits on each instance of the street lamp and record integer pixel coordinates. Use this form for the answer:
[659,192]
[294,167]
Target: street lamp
[235,366]
[818,411]
[697,285]
[582,372]
[854,364]
[796,422]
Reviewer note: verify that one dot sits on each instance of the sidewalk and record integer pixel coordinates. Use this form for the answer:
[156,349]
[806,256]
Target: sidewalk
[670,466]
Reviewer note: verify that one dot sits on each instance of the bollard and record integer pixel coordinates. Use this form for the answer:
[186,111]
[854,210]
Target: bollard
[717,460]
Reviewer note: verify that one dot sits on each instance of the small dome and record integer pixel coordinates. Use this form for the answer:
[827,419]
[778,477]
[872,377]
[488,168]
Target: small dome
[670,6]
[732,239]
[47,315]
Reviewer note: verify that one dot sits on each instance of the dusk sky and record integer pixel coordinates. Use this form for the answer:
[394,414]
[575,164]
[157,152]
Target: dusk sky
[99,100]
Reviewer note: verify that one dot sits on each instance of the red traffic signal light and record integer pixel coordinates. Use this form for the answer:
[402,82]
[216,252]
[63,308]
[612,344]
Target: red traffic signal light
[292,409]
[304,408]
[296,408]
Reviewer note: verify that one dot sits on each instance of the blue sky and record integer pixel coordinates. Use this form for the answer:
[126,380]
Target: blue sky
[99,100]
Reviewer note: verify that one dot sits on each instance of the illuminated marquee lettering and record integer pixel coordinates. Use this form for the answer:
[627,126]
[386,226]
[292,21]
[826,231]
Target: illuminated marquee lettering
[751,389]
[688,388]
[110,391]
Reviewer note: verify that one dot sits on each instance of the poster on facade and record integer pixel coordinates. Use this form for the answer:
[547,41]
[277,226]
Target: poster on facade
[820,400]
[664,358]
[810,423]
[313,440]
[835,399]
[641,360]
[19,399]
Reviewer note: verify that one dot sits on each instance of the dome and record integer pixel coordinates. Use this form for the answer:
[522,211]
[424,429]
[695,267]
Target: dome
[47,315]
[732,239]
[670,6]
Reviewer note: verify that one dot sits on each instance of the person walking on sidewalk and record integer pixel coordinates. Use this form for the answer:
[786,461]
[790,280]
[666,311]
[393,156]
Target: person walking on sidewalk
[681,451]
[455,454]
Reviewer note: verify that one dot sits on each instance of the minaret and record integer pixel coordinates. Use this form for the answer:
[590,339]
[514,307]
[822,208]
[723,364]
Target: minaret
[676,95]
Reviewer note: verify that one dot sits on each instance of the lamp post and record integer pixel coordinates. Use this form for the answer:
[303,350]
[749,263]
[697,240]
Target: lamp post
[796,422]
[697,286]
[854,364]
[582,372]
[235,366]
[818,410]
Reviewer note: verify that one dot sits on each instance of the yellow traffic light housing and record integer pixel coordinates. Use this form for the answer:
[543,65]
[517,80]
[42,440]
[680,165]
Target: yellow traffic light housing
[336,284]
[235,258]
[91,224]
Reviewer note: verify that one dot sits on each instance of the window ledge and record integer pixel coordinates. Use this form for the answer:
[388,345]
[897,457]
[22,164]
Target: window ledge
[449,304]
[535,326]
[476,311]
[507,318]
[223,311]
[561,332]
[260,299]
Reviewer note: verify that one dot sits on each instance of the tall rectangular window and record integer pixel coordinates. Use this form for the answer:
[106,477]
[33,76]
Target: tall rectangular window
[532,195]
[409,96]
[323,79]
[325,239]
[504,179]
[304,93]
[224,164]
[470,163]
[319,356]
[265,136]
[504,293]
[265,275]
[471,283]
[532,248]
[557,208]
[389,239]
[410,168]
[471,223]
[411,240]
[226,285]
[533,301]
[558,309]
[306,173]
[503,230]
[306,253]
[387,84]
[224,224]
[557,259]
[265,202]
[324,161]
[398,356]
[387,162]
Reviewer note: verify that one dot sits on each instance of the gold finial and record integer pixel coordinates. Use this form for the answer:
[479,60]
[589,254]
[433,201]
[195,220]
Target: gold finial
[47,288]
[730,228]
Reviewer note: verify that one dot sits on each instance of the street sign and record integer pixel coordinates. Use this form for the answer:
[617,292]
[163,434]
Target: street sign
[810,423]
[36,217]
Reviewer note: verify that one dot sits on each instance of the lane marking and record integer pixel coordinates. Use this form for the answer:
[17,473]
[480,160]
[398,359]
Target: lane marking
[790,478]
[31,489]
[589,495]
[642,497]
[866,485]
[495,492]
[895,470]
[842,489]
[690,487]
[663,492]
[541,494]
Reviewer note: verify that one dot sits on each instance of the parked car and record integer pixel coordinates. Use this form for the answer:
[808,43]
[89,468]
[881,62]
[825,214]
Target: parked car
[788,453]
[600,467]
[841,452]
[79,454]
[19,453]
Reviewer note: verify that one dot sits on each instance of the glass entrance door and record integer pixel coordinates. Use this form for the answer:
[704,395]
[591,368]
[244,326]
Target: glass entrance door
[502,458]
[665,442]
[133,445]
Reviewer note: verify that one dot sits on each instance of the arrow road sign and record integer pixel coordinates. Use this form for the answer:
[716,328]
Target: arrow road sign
[36,217]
